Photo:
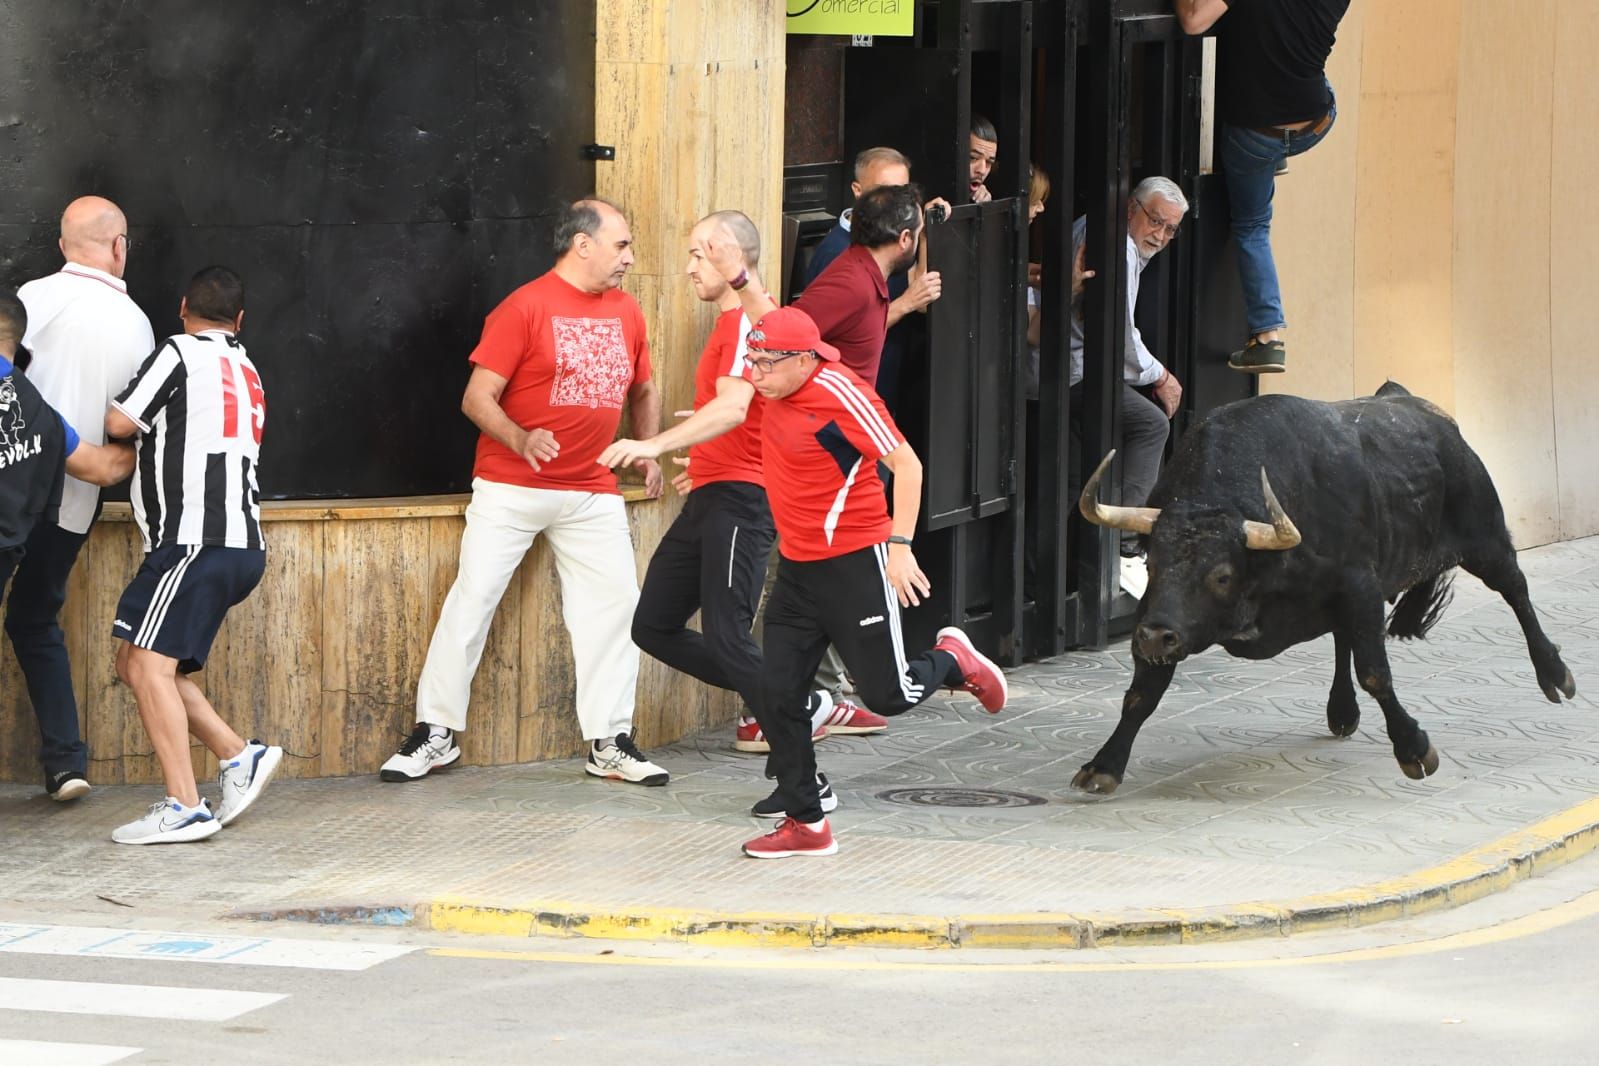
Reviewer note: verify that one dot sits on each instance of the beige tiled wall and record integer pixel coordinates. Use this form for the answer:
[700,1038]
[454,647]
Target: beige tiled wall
[1440,236]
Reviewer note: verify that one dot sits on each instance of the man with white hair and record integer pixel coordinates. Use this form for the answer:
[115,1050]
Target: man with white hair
[1150,392]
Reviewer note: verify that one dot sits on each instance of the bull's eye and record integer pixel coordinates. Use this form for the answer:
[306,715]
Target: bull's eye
[1220,580]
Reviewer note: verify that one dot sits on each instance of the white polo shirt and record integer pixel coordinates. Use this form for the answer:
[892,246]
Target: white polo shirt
[87,337]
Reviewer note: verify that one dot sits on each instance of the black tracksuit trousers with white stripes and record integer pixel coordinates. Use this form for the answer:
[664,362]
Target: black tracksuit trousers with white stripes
[847,601]
[712,560]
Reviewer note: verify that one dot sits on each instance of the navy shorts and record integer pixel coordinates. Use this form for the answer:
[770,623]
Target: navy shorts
[176,602]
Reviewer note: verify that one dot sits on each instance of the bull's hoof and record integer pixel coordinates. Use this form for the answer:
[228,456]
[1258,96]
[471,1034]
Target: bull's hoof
[1425,768]
[1095,781]
[1342,721]
[1567,687]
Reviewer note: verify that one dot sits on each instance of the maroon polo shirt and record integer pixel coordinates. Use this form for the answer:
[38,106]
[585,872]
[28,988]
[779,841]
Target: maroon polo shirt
[849,304]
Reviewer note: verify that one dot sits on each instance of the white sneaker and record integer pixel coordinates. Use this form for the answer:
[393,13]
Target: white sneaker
[244,776]
[620,760]
[1135,576]
[169,822]
[421,753]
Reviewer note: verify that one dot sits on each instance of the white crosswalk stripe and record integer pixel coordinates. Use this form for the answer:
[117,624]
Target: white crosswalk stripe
[130,1001]
[172,1003]
[96,942]
[54,1053]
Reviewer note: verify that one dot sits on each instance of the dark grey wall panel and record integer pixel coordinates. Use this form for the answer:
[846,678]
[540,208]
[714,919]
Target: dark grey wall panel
[380,173]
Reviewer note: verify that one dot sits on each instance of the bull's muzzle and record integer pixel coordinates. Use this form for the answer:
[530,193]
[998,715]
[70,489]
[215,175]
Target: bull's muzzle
[1156,643]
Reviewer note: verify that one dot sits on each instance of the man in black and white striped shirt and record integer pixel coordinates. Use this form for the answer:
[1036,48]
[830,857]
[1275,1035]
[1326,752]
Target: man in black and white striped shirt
[197,408]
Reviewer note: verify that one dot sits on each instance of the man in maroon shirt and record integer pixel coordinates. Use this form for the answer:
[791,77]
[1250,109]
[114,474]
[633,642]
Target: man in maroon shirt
[849,300]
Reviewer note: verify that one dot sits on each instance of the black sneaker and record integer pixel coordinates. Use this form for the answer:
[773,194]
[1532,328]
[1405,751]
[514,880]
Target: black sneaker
[1260,357]
[772,806]
[66,786]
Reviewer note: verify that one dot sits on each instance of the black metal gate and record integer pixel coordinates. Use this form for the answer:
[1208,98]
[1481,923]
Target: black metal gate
[1102,93]
[960,399]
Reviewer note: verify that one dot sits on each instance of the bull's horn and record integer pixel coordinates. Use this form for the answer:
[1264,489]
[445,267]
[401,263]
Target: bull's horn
[1131,519]
[1280,533]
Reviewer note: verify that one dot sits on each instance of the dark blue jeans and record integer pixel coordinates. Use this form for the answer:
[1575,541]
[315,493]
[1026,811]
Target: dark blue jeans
[1249,160]
[38,590]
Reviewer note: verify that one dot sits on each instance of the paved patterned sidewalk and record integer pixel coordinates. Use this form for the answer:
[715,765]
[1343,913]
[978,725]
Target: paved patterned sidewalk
[1236,793]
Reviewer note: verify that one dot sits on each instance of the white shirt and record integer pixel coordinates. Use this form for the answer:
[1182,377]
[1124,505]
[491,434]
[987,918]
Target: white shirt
[87,338]
[1140,367]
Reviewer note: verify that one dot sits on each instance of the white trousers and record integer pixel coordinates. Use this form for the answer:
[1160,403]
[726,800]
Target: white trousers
[593,549]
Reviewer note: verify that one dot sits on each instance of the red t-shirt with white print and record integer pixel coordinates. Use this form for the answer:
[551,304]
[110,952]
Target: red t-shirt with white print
[569,358]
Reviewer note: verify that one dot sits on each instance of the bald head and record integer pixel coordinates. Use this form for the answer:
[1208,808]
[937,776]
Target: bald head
[94,232]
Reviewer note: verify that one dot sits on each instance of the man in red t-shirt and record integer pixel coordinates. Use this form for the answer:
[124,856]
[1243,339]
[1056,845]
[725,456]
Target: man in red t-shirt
[557,360]
[846,567]
[713,558]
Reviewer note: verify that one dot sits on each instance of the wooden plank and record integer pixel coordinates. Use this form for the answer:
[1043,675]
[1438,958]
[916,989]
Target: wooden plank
[547,724]
[375,629]
[264,674]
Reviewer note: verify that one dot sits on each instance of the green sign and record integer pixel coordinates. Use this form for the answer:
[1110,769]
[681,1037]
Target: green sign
[878,18]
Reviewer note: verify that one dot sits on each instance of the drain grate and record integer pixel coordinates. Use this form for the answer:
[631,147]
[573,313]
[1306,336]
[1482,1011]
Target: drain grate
[960,797]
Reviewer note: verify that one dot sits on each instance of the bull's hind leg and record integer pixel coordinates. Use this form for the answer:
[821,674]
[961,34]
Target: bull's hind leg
[1499,570]
[1414,751]
[1104,771]
[1343,706]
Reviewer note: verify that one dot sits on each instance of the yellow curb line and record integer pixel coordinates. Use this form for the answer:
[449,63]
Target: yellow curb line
[1491,868]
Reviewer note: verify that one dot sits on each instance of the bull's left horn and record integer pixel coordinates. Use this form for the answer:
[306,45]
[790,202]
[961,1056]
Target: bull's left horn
[1280,533]
[1131,519]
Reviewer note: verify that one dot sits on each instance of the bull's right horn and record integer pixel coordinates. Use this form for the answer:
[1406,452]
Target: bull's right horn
[1131,519]
[1280,533]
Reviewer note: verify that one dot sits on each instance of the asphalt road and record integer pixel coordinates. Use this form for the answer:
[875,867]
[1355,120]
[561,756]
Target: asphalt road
[1507,979]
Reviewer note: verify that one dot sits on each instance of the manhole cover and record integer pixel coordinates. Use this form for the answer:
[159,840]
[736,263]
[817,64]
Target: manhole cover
[959,797]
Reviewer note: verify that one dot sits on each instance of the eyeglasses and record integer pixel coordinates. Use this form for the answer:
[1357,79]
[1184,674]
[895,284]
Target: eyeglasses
[1166,229]
[127,245]
[765,365]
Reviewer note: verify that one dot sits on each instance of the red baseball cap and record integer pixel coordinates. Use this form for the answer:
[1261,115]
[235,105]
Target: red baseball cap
[788,329]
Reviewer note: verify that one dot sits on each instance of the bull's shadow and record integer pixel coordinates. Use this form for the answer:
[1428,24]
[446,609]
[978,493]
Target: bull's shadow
[1382,499]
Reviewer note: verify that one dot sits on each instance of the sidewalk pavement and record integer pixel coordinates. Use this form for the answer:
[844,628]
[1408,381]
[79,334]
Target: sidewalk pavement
[1240,815]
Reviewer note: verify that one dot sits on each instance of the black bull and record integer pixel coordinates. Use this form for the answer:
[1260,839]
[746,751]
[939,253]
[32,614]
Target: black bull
[1380,499]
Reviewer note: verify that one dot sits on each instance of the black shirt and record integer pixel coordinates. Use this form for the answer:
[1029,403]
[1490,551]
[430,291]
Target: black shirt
[1271,60]
[33,457]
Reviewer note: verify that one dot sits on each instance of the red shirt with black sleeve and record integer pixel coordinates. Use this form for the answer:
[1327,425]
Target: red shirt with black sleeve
[569,358]
[821,444]
[849,304]
[736,454]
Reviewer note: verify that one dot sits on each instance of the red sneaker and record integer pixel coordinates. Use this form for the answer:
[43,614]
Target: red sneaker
[982,678]
[792,838]
[747,736]
[851,718]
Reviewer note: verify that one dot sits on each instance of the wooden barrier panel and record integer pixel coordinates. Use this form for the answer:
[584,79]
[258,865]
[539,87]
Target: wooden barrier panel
[323,657]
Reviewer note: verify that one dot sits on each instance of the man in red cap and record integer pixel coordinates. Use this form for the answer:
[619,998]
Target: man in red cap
[846,568]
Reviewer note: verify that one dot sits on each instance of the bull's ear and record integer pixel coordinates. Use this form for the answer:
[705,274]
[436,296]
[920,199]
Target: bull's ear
[1280,533]
[1130,519]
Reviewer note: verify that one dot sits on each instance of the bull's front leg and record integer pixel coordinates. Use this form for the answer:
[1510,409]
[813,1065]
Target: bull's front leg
[1104,771]
[1367,632]
[1343,706]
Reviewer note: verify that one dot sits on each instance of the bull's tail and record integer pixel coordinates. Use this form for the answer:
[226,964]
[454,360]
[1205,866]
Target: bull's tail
[1419,609]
